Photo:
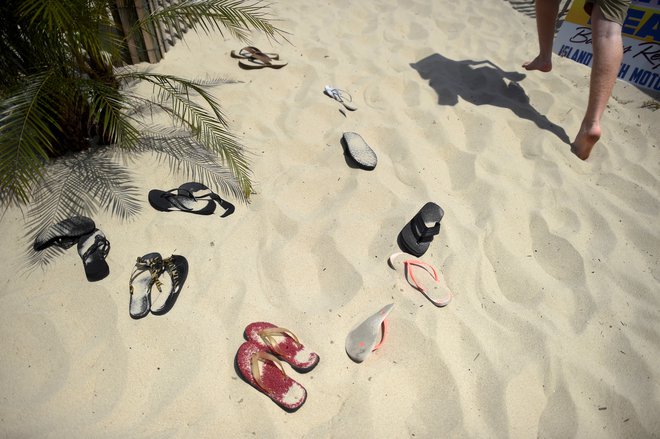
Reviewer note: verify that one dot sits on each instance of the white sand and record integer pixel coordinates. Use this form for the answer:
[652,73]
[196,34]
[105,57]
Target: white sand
[554,327]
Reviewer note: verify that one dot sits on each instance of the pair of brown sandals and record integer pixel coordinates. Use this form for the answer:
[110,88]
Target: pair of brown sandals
[250,57]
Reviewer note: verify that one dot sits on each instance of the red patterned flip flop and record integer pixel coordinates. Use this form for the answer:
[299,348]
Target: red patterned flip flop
[264,372]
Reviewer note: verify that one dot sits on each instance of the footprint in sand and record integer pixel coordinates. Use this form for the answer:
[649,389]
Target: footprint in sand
[558,258]
[556,255]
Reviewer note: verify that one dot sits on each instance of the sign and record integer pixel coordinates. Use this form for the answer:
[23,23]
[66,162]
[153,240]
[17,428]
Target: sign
[641,41]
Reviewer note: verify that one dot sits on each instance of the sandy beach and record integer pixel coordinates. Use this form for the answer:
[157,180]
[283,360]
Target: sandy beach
[553,263]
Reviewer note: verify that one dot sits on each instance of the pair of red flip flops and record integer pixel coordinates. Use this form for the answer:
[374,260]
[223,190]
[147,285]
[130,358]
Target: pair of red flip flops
[258,362]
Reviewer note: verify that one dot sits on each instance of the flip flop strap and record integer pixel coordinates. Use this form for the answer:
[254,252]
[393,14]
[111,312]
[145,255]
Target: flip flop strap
[341,95]
[268,336]
[261,57]
[174,198]
[254,366]
[100,244]
[383,329]
[172,269]
[410,263]
[251,51]
[423,232]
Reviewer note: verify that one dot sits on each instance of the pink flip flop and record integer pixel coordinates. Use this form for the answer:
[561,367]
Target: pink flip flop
[427,281]
[283,343]
[265,373]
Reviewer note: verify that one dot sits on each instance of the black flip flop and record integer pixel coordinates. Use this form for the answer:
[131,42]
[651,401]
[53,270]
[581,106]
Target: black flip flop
[145,275]
[64,234]
[417,235]
[180,200]
[176,268]
[250,51]
[359,151]
[199,191]
[93,249]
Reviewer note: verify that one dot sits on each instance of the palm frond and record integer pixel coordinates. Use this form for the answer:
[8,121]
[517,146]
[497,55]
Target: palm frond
[173,94]
[56,19]
[235,16]
[27,128]
[186,155]
[109,108]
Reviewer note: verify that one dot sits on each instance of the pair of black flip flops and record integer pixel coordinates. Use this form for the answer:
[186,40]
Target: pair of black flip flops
[93,247]
[418,233]
[190,197]
[155,284]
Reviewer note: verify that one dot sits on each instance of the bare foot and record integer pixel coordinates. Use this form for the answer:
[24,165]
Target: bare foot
[585,140]
[539,64]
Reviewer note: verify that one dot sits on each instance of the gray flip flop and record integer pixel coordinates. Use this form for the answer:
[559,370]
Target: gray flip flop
[368,335]
[359,151]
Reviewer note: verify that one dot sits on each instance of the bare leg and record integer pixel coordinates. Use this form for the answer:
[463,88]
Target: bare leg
[546,17]
[608,54]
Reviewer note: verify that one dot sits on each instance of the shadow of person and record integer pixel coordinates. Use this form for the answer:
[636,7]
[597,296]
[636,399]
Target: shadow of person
[482,83]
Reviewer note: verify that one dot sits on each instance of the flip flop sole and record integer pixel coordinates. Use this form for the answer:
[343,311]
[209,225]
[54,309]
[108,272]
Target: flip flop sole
[360,151]
[93,249]
[140,283]
[251,63]
[367,336]
[159,306]
[284,391]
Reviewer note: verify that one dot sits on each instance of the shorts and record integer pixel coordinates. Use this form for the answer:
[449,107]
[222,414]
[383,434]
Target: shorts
[613,10]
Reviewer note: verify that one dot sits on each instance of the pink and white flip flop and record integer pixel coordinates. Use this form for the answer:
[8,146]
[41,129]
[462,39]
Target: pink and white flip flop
[421,276]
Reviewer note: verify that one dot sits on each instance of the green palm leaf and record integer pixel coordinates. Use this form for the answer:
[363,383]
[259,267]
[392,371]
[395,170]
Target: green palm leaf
[27,130]
[173,95]
[234,16]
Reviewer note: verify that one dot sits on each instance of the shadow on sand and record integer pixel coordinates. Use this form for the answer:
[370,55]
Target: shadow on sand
[482,83]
